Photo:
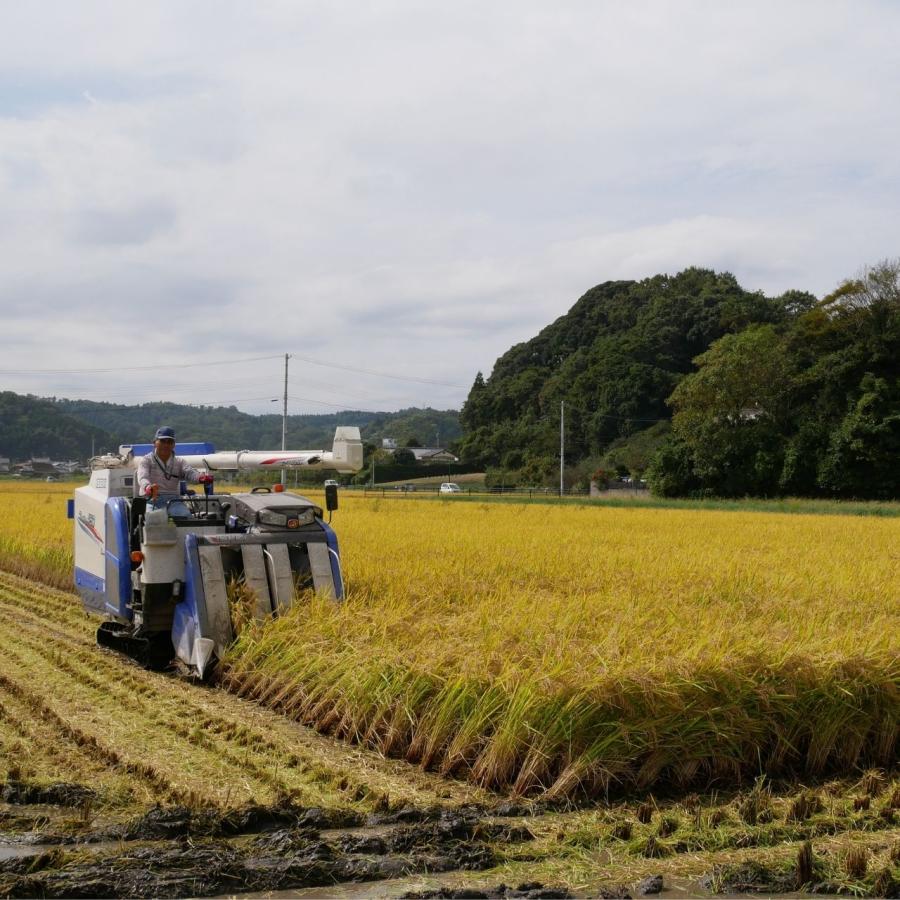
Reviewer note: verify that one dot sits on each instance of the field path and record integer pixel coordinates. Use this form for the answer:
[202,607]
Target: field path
[73,712]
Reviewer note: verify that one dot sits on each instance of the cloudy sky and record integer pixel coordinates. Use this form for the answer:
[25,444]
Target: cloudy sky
[397,192]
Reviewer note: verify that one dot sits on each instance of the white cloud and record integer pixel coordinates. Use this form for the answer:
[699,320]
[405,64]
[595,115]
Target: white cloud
[414,188]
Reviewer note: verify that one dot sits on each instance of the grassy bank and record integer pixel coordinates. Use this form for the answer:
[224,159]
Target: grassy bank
[644,500]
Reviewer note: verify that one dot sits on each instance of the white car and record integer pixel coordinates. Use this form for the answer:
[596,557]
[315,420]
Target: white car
[448,487]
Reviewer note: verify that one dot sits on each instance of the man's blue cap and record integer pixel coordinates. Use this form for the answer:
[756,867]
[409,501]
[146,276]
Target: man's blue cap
[165,433]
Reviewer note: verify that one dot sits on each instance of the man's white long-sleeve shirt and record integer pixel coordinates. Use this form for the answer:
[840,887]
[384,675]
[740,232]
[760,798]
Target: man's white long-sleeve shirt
[152,470]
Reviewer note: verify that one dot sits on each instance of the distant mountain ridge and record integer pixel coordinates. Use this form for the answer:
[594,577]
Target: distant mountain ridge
[704,387]
[36,426]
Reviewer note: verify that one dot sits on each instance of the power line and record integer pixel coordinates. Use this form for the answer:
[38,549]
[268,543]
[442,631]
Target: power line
[268,397]
[222,362]
[376,373]
[330,388]
[156,367]
[329,403]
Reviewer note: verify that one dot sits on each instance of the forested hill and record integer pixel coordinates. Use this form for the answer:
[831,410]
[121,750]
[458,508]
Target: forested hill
[228,427]
[615,358]
[707,388]
[56,427]
[34,427]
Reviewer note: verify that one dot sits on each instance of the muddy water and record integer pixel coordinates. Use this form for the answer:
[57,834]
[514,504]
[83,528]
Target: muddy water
[14,851]
[675,889]
[378,890]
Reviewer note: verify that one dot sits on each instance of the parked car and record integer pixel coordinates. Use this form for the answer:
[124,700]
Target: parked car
[448,487]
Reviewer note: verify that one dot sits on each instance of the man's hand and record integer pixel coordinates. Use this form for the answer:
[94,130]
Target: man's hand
[206,479]
[151,491]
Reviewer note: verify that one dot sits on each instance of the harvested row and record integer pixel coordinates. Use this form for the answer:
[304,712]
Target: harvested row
[74,712]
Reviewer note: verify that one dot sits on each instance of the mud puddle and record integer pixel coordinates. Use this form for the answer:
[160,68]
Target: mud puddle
[413,887]
[14,851]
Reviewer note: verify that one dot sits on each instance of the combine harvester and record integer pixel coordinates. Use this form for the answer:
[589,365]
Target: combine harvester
[161,581]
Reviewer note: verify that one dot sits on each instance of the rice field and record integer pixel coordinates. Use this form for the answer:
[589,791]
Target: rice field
[621,657]
[576,650]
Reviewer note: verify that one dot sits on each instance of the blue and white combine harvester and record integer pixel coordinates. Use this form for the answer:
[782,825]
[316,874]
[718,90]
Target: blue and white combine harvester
[161,581]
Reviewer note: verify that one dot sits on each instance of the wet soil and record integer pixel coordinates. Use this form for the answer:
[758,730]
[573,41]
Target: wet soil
[755,878]
[176,852]
[58,846]
[17,792]
[532,890]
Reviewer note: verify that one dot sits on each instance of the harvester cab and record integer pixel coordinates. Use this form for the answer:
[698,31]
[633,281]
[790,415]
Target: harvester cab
[167,579]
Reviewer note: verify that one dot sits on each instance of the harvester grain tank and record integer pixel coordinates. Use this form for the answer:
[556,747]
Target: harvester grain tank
[161,580]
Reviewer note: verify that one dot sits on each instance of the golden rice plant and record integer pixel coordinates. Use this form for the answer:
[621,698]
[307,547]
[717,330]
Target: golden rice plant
[35,535]
[583,649]
[241,604]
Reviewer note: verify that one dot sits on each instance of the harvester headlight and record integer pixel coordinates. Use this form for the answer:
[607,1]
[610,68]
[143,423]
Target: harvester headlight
[293,519]
[267,517]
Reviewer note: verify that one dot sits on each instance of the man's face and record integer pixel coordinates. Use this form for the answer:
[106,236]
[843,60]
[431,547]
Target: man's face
[165,447]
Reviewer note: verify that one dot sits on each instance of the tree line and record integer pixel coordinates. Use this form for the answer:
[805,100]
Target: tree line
[61,428]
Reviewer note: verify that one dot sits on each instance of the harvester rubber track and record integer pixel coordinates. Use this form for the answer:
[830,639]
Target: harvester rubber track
[154,652]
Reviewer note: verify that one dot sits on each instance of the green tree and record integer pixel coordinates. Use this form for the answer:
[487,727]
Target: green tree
[864,450]
[404,457]
[730,414]
[632,455]
[671,471]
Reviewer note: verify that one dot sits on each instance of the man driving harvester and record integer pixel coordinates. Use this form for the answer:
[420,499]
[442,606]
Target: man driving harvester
[160,472]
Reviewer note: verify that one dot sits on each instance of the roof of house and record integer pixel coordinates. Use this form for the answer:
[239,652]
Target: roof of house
[423,454]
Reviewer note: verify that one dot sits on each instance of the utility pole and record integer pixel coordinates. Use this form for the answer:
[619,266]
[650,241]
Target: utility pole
[562,447]
[287,356]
